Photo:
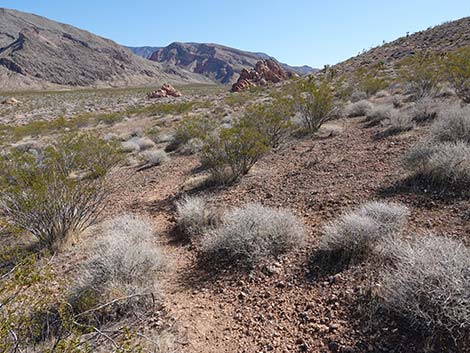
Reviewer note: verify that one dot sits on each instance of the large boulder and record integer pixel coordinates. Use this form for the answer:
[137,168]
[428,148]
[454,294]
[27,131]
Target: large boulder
[264,72]
[167,90]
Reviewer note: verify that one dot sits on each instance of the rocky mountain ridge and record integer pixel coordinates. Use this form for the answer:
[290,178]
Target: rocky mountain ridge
[36,52]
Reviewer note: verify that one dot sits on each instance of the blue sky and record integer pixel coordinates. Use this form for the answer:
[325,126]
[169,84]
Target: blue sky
[296,32]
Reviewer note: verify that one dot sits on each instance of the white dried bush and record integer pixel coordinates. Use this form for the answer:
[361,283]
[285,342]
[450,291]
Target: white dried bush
[123,264]
[424,110]
[398,123]
[382,94]
[253,234]
[194,216]
[380,113]
[429,287]
[357,96]
[144,143]
[360,108]
[445,163]
[364,233]
[452,125]
[154,157]
[130,146]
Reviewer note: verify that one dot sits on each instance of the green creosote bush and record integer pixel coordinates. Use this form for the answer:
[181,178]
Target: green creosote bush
[233,152]
[457,68]
[315,103]
[59,192]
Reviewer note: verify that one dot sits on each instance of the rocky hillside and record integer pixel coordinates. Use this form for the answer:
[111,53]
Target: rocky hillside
[36,53]
[448,36]
[219,63]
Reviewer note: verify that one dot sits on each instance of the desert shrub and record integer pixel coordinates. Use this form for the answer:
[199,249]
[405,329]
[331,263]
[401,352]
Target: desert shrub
[453,125]
[122,267]
[357,96]
[446,163]
[154,157]
[233,152]
[130,146]
[315,104]
[424,110]
[191,127]
[382,94]
[370,81]
[254,233]
[60,192]
[144,143]
[273,120]
[429,288]
[422,72]
[360,108]
[398,123]
[457,66]
[363,234]
[380,113]
[194,216]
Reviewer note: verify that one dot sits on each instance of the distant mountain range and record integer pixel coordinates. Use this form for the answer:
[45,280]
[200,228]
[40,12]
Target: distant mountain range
[217,62]
[39,53]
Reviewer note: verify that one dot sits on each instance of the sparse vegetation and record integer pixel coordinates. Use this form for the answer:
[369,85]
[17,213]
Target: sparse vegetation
[122,267]
[453,125]
[315,104]
[423,73]
[457,66]
[370,81]
[154,157]
[428,288]
[398,123]
[194,217]
[234,151]
[58,193]
[424,110]
[360,108]
[254,233]
[363,234]
[273,120]
[443,158]
[381,113]
[190,128]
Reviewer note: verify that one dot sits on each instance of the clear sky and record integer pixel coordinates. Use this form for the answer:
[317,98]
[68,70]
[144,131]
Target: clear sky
[312,32]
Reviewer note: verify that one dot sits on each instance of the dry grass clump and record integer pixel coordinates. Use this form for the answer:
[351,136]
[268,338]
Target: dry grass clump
[424,110]
[121,268]
[254,233]
[154,157]
[398,123]
[380,113]
[382,94]
[443,158]
[453,125]
[360,108]
[194,216]
[136,144]
[363,234]
[429,289]
[357,96]
[442,164]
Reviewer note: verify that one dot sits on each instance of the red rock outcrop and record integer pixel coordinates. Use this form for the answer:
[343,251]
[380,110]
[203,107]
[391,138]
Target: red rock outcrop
[167,90]
[265,71]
